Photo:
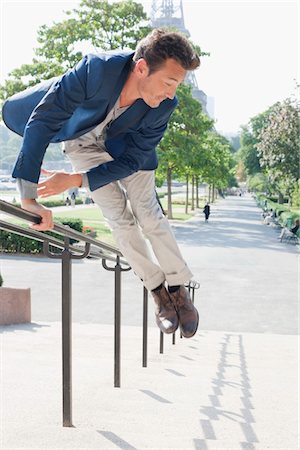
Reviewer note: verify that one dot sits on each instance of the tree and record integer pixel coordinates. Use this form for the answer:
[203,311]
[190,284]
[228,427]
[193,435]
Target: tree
[113,25]
[279,145]
[219,169]
[101,24]
[182,139]
[248,152]
[258,183]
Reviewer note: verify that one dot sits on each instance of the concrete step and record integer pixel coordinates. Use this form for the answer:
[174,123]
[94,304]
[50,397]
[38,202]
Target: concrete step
[217,390]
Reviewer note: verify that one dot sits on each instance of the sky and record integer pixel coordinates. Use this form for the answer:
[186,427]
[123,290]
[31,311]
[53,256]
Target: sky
[253,45]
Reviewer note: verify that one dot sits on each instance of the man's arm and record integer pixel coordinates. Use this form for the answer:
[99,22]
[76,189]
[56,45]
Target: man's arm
[28,194]
[56,181]
[49,116]
[27,189]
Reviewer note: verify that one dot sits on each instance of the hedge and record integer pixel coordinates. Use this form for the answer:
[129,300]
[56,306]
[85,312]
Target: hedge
[286,216]
[54,203]
[15,243]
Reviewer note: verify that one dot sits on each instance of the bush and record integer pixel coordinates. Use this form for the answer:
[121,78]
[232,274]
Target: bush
[285,215]
[288,218]
[296,195]
[15,243]
[1,280]
[54,203]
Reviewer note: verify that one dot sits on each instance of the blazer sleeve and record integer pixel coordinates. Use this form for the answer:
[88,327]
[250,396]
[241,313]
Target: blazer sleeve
[140,146]
[56,107]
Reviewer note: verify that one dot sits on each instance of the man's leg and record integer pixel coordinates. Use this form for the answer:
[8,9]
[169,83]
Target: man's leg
[115,208]
[140,188]
[114,205]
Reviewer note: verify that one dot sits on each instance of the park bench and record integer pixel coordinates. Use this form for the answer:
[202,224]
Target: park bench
[288,236]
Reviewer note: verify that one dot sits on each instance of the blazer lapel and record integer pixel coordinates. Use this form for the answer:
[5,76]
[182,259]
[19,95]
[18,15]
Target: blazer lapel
[132,115]
[116,91]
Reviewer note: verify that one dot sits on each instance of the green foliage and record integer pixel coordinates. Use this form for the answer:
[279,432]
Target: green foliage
[219,168]
[180,148]
[286,216]
[295,197]
[270,145]
[235,142]
[248,152]
[191,148]
[179,152]
[112,25]
[102,24]
[15,243]
[258,183]
[280,142]
[29,75]
[53,203]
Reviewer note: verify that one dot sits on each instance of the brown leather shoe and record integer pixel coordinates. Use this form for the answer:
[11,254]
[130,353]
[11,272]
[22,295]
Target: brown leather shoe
[187,313]
[166,316]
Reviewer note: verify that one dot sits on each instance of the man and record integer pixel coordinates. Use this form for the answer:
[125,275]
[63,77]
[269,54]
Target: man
[206,211]
[111,111]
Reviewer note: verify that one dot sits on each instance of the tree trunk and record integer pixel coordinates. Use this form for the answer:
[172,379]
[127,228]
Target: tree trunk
[187,195]
[213,193]
[169,184]
[197,192]
[280,198]
[193,192]
[209,193]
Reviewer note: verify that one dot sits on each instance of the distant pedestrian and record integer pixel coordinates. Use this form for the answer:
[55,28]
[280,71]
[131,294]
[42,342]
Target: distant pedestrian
[206,211]
[73,199]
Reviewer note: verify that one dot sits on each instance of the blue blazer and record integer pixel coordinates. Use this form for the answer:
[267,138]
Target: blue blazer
[66,107]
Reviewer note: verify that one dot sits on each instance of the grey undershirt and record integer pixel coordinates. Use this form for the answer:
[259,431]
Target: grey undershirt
[96,136]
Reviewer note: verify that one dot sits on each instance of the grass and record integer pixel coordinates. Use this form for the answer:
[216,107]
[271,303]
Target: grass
[91,217]
[178,208]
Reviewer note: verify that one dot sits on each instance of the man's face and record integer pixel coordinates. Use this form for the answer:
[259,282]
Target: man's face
[161,84]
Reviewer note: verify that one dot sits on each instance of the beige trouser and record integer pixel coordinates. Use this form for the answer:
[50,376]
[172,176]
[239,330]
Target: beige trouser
[128,221]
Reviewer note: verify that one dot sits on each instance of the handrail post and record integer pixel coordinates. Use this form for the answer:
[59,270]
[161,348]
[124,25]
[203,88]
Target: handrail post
[161,342]
[117,319]
[193,294]
[117,343]
[66,293]
[145,326]
[67,333]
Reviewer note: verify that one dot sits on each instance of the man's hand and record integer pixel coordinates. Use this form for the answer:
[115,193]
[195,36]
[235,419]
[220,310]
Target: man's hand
[58,182]
[46,214]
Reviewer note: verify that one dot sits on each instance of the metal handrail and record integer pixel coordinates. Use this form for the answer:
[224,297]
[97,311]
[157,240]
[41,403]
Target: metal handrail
[55,242]
[29,216]
[106,253]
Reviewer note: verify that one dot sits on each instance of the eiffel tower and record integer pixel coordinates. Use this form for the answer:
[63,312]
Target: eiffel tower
[169,13]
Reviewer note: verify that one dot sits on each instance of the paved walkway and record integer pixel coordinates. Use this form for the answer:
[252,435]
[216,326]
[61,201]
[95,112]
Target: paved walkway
[233,386]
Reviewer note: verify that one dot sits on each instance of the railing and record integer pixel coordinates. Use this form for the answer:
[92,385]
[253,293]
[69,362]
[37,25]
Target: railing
[69,252]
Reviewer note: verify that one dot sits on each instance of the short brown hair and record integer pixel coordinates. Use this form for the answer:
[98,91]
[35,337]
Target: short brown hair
[161,45]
